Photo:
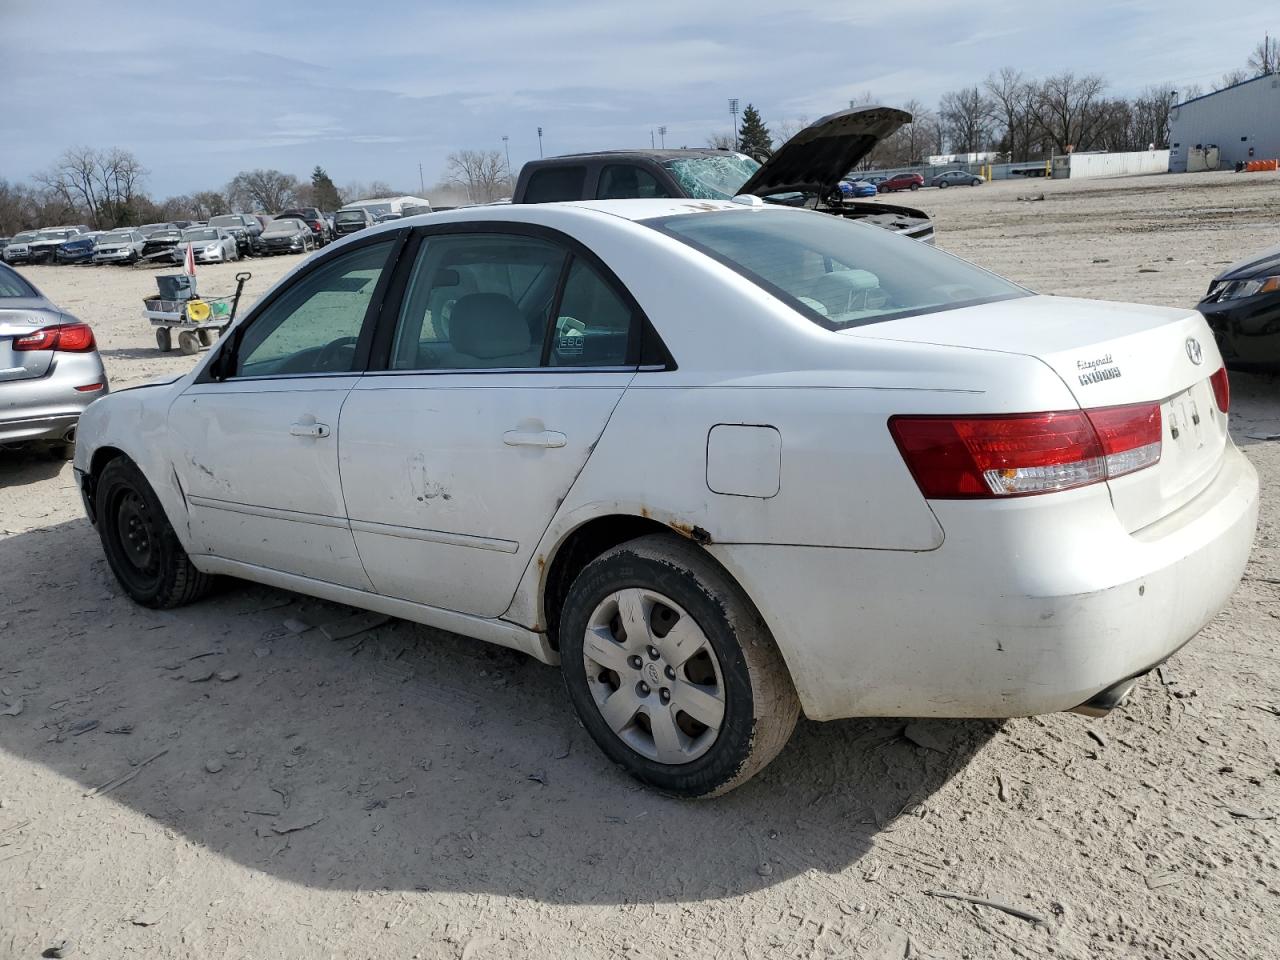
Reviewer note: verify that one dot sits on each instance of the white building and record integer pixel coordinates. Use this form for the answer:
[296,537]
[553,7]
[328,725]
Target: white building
[1242,121]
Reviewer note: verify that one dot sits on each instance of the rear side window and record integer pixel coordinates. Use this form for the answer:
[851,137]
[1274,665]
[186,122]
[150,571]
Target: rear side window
[837,273]
[593,324]
[626,181]
[553,184]
[12,284]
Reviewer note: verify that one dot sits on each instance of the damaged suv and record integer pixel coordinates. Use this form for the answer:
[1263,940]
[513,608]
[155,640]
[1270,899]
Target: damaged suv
[804,172]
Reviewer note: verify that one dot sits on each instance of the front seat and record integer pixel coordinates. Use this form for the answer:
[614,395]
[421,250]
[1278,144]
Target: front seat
[489,327]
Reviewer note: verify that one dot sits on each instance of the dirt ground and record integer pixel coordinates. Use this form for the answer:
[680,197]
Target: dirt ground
[264,792]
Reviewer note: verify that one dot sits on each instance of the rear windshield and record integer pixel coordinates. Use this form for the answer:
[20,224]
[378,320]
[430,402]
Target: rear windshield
[12,285]
[345,215]
[838,273]
[285,226]
[228,220]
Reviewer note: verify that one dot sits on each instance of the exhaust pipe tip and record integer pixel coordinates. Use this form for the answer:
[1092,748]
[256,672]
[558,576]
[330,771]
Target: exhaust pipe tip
[1100,704]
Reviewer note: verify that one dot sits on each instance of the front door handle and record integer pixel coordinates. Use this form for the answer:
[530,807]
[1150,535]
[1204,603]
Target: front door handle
[309,429]
[543,438]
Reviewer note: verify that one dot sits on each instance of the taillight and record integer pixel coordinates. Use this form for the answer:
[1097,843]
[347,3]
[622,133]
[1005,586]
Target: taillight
[1023,454]
[1221,389]
[66,337]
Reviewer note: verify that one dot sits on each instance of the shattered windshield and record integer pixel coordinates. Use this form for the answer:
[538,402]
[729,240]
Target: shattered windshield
[712,178]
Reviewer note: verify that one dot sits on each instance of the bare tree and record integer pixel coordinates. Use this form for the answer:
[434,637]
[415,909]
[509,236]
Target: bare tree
[1067,110]
[266,190]
[966,114]
[1151,111]
[1012,95]
[783,130]
[722,141]
[1232,77]
[1265,58]
[104,183]
[209,203]
[482,172]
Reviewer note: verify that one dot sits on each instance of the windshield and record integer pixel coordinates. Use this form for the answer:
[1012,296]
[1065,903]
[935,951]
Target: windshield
[23,238]
[836,272]
[203,234]
[54,234]
[122,237]
[346,215]
[712,178]
[226,221]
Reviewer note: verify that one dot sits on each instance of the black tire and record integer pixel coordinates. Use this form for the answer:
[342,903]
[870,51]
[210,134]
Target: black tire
[206,337]
[189,343]
[164,339]
[943,184]
[141,547]
[915,186]
[760,703]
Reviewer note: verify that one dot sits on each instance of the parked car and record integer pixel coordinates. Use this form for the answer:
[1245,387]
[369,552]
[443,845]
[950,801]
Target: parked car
[160,244]
[78,249]
[804,171]
[50,370]
[41,248]
[18,249]
[857,188]
[875,179]
[1242,308]
[957,178]
[243,226]
[351,221]
[4,242]
[208,245]
[767,456]
[289,235]
[900,181]
[313,218]
[119,246]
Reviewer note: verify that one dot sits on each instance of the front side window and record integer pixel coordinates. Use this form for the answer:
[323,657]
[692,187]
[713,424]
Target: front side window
[314,325]
[837,273]
[476,302]
[626,181]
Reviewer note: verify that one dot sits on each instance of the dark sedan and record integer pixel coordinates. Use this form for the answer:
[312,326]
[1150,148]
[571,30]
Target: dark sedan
[1242,308]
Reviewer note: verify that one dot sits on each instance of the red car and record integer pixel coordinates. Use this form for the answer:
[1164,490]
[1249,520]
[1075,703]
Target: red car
[901,181]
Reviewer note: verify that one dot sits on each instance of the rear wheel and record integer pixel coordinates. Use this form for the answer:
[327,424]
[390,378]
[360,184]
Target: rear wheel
[915,186]
[141,547]
[164,339]
[672,670]
[189,342]
[941,184]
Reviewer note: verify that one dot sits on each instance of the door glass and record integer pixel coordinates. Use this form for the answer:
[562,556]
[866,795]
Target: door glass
[625,181]
[476,302]
[313,326]
[593,325]
[554,184]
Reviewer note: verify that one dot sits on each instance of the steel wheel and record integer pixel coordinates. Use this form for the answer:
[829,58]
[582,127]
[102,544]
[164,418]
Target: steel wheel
[136,534]
[654,676]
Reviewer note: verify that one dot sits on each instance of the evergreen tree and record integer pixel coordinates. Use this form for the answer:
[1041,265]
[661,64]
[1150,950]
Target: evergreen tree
[323,192]
[753,136]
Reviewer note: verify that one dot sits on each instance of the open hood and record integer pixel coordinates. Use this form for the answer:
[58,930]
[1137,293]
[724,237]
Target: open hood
[816,158]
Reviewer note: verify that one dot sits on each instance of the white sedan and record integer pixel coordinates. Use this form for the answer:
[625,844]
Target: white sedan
[724,462]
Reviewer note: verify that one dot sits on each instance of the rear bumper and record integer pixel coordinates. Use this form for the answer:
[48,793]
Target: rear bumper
[1016,614]
[48,408]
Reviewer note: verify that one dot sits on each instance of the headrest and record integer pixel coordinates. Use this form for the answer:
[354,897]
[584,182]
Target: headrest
[488,325]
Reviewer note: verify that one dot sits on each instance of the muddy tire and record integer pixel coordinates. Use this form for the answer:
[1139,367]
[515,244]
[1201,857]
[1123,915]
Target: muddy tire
[164,339]
[694,699]
[189,343]
[141,547]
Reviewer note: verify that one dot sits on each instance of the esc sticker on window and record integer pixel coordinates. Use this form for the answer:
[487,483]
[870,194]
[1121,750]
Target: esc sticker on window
[571,340]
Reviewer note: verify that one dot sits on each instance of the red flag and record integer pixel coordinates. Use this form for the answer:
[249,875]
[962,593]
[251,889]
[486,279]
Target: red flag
[189,261]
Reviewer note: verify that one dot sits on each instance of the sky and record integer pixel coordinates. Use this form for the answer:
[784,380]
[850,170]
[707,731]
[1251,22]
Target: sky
[369,90]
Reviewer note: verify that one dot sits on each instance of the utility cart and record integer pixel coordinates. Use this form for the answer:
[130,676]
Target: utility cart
[198,320]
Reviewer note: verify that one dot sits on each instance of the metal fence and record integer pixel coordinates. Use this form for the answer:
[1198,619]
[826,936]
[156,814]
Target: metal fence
[991,171]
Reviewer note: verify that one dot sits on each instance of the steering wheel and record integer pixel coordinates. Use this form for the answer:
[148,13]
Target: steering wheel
[329,352]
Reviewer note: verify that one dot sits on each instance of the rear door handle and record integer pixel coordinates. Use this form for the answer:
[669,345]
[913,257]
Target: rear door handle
[544,438]
[312,429]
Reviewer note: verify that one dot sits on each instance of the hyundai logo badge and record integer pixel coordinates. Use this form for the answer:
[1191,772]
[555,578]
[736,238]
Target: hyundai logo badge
[1194,351]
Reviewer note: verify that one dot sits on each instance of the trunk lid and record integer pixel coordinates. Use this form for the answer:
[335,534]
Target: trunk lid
[816,158]
[1108,354]
[18,321]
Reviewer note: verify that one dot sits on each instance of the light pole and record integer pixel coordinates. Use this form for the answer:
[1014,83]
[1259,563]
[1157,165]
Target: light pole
[733,110]
[539,141]
[422,187]
[662,136]
[507,149]
[651,142]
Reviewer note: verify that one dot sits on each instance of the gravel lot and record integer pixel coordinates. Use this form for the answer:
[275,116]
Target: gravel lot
[407,793]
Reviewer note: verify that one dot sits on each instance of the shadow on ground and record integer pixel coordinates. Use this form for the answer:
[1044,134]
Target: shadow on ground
[407,758]
[24,465]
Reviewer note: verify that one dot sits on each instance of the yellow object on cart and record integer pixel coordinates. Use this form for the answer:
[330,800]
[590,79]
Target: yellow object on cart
[198,311]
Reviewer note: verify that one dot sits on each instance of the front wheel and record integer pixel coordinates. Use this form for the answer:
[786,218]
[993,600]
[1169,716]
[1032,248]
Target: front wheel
[942,184]
[141,547]
[672,670]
